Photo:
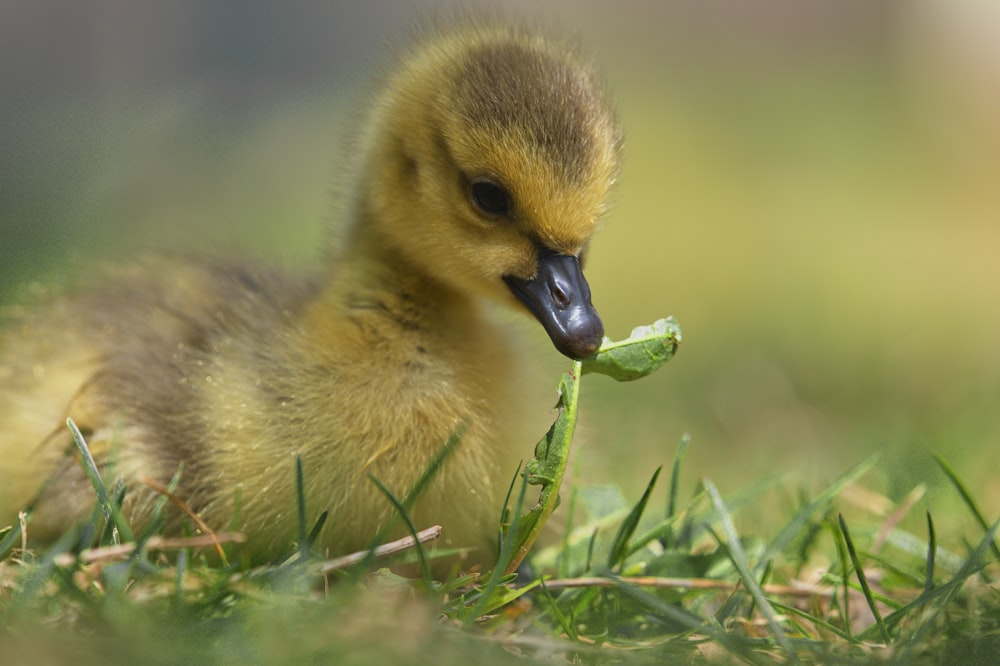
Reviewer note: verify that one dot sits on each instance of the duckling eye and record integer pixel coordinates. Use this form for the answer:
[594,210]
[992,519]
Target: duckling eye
[489,197]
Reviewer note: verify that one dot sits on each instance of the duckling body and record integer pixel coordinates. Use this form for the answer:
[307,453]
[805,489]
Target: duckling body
[486,163]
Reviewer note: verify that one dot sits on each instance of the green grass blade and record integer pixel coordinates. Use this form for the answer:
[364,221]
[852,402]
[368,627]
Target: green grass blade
[739,560]
[863,580]
[182,558]
[667,540]
[845,572]
[432,469]
[157,520]
[563,558]
[320,522]
[931,552]
[591,544]
[967,498]
[763,581]
[619,547]
[818,621]
[505,510]
[434,466]
[403,514]
[110,507]
[300,501]
[553,609]
[675,474]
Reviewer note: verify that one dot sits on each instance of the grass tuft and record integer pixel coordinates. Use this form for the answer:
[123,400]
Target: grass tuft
[816,580]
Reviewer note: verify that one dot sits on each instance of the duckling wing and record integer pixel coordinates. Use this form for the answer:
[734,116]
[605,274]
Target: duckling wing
[119,361]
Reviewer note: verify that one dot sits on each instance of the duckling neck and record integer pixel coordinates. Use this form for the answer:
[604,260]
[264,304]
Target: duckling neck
[377,301]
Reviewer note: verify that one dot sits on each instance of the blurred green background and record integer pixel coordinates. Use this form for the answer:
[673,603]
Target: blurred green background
[811,188]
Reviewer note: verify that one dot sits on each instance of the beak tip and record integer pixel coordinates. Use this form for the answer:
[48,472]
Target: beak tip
[584,342]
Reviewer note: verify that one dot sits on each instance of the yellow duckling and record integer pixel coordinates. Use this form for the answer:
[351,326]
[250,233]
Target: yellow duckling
[485,165]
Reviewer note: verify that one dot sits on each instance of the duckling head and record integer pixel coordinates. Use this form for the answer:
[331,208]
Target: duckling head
[493,153]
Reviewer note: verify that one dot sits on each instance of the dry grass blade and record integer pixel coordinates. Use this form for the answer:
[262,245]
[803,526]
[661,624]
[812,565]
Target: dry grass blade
[385,550]
[183,506]
[123,550]
[798,590]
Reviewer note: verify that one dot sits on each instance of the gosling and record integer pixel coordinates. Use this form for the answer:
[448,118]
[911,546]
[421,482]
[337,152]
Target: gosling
[485,164]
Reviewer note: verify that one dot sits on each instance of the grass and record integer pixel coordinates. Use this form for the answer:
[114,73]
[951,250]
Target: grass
[627,583]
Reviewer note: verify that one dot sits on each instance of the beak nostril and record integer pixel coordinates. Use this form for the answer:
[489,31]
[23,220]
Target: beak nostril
[559,297]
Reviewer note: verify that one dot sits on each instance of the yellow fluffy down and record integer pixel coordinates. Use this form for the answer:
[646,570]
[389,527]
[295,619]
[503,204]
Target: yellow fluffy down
[367,366]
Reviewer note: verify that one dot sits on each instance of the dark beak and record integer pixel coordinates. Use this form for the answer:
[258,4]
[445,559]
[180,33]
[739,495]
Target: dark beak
[559,297]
